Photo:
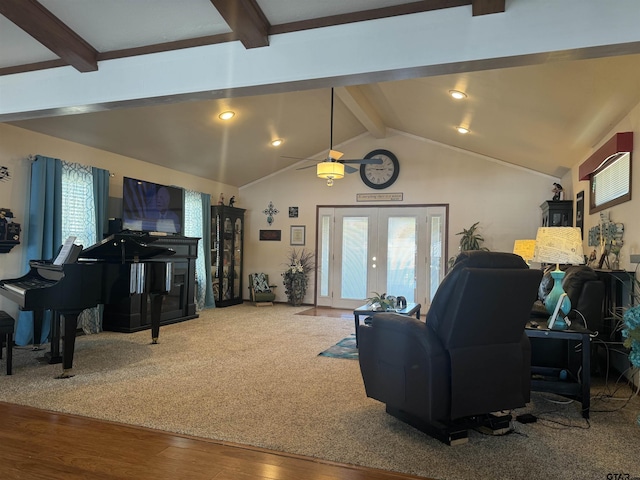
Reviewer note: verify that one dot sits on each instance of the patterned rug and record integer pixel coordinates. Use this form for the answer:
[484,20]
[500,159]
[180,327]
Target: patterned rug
[345,348]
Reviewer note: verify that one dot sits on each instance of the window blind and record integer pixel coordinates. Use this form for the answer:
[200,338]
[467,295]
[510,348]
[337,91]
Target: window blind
[612,181]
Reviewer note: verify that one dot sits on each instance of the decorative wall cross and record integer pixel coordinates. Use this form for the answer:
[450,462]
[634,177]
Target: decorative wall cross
[270,212]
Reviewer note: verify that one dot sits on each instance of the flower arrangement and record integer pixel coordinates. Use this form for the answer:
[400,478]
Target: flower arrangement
[296,277]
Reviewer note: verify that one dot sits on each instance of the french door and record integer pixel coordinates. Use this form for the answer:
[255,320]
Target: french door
[399,251]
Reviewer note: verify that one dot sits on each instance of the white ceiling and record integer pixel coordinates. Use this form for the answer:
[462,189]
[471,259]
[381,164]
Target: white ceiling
[544,117]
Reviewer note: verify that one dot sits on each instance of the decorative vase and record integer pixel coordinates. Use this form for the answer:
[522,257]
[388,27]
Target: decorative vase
[297,290]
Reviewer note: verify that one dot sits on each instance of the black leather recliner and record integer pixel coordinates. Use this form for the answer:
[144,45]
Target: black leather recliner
[469,359]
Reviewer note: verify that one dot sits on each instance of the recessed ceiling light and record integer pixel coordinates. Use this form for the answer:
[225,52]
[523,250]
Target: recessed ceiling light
[277,142]
[227,115]
[462,129]
[458,95]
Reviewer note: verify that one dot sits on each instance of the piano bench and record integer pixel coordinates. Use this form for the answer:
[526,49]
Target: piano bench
[7,324]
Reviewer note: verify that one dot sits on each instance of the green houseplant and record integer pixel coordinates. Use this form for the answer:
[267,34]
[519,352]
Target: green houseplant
[380,301]
[296,277]
[470,240]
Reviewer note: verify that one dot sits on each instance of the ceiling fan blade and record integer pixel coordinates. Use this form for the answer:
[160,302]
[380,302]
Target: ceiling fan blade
[363,161]
[304,168]
[297,158]
[335,155]
[349,169]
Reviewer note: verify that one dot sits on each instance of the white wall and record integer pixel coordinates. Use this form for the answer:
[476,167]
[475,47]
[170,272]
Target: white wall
[16,144]
[626,213]
[503,198]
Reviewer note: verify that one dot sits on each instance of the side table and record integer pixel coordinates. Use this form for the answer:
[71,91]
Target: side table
[365,310]
[578,382]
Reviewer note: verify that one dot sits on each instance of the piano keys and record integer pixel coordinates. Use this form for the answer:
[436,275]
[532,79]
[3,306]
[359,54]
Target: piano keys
[118,266]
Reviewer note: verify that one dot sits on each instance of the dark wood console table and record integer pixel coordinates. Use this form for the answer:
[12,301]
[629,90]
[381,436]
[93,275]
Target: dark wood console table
[577,368]
[133,314]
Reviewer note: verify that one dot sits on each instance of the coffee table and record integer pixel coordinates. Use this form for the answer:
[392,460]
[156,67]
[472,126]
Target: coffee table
[366,310]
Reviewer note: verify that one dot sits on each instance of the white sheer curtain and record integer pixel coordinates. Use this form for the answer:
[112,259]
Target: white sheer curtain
[194,226]
[79,220]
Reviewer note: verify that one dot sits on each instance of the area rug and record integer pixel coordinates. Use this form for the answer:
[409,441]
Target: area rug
[345,348]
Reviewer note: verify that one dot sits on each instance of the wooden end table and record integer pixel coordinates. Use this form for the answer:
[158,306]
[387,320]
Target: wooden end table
[366,310]
[578,383]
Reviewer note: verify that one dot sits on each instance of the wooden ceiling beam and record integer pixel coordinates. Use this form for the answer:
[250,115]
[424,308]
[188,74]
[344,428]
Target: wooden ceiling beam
[364,111]
[364,15]
[247,21]
[486,7]
[47,29]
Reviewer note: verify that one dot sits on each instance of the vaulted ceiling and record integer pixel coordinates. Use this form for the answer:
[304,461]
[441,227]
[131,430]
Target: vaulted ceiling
[545,117]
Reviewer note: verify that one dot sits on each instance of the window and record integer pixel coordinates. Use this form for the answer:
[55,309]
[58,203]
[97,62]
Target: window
[78,204]
[611,184]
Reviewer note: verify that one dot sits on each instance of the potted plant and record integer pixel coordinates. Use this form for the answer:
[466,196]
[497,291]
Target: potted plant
[381,302]
[470,240]
[296,276]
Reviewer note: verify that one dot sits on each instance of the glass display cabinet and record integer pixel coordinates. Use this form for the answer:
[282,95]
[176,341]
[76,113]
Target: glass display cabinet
[227,234]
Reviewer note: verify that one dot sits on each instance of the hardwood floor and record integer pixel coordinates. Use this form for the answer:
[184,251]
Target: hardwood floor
[37,444]
[327,312]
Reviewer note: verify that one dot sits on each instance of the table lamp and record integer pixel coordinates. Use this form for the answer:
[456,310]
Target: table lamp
[558,245]
[525,249]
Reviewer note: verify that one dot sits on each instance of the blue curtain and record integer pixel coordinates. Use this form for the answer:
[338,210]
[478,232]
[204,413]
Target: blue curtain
[44,235]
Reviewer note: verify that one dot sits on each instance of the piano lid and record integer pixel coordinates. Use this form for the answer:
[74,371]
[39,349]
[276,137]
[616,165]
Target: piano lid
[123,248]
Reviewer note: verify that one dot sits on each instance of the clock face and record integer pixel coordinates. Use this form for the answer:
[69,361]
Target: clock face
[381,175]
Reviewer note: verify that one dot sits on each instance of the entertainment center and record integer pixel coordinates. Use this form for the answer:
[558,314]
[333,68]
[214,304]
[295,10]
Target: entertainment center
[133,313]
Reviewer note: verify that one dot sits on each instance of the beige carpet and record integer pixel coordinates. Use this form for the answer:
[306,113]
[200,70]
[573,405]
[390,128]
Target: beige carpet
[253,376]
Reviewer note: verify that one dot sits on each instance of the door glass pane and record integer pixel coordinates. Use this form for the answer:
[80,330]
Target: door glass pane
[354,263]
[436,254]
[325,222]
[401,257]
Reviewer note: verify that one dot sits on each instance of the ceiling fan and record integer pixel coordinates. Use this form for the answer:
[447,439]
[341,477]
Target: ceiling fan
[334,167]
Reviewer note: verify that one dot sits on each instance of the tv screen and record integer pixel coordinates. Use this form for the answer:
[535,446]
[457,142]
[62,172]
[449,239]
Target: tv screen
[150,207]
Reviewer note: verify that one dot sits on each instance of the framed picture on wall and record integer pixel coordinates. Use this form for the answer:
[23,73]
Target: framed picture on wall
[580,212]
[270,235]
[297,234]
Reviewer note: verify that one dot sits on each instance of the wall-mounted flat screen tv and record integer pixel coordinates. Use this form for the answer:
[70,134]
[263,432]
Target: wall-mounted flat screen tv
[151,207]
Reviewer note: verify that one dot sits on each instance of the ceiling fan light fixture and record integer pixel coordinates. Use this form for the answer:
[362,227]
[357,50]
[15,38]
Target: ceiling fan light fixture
[228,115]
[462,130]
[330,171]
[277,142]
[457,94]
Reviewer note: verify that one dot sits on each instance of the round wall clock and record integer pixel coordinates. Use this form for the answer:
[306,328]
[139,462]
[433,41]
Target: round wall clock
[380,175]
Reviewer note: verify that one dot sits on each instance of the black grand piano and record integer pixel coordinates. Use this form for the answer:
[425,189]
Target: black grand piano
[118,266]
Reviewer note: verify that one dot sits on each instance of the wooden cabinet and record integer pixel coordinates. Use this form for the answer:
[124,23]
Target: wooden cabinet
[133,313]
[227,235]
[557,213]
